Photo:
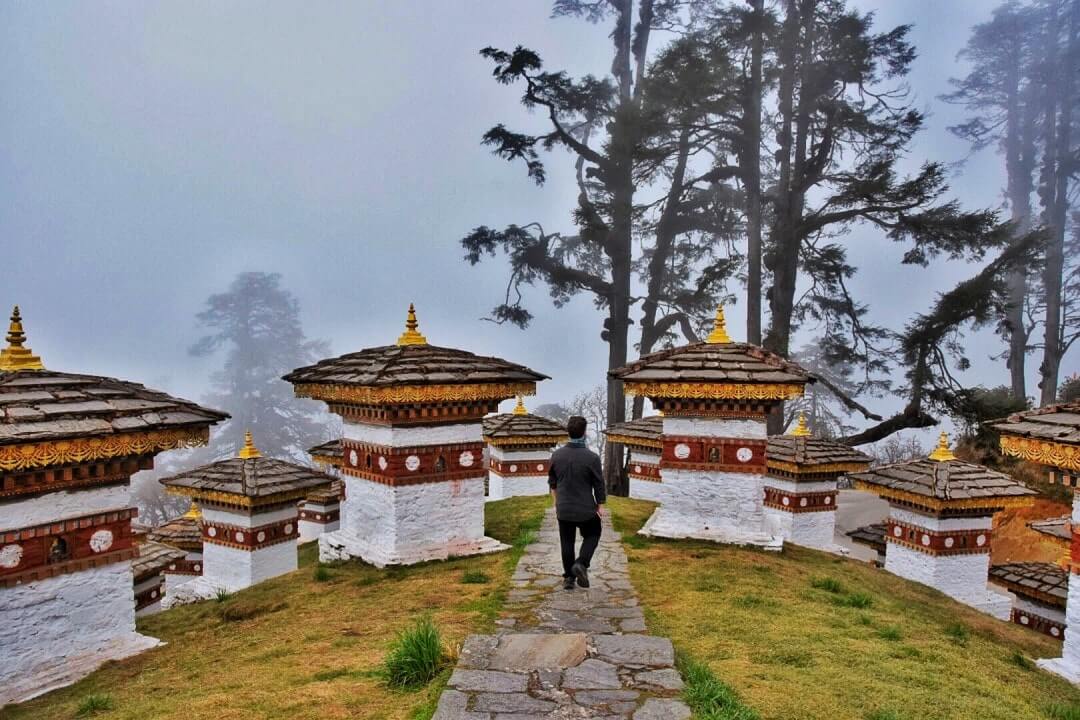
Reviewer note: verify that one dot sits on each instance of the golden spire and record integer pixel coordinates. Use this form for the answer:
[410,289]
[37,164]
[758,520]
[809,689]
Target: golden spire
[15,356]
[249,450]
[942,452]
[801,429]
[520,408]
[411,336]
[193,512]
[719,335]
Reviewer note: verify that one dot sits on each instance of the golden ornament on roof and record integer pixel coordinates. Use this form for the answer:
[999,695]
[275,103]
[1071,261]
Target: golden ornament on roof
[801,429]
[942,453]
[193,513]
[411,336]
[15,356]
[249,450]
[519,409]
[719,335]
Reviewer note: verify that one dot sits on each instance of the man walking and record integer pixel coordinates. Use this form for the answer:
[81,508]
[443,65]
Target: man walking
[577,484]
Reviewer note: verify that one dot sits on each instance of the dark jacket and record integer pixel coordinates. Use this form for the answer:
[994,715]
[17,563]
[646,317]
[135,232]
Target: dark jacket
[578,482]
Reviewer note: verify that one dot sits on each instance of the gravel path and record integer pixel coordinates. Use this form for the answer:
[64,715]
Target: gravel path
[566,653]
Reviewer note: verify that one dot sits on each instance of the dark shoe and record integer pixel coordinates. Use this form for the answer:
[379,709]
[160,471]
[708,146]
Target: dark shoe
[581,574]
[568,583]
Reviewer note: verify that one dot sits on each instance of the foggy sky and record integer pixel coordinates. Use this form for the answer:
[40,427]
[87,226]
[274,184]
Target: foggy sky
[153,150]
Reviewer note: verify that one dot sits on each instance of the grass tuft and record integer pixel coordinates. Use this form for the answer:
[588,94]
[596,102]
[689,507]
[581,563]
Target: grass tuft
[416,656]
[890,633]
[95,703]
[1021,661]
[1063,711]
[321,573]
[526,536]
[859,600]
[709,697]
[827,584]
[222,595]
[474,577]
[957,633]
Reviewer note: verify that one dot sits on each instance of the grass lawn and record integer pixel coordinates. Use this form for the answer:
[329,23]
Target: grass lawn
[304,645]
[805,635]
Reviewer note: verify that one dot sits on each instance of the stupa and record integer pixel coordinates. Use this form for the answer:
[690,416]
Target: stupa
[412,447]
[715,397]
[249,519]
[69,445]
[800,490]
[941,512]
[149,575]
[641,438]
[183,533]
[519,452]
[1040,590]
[320,511]
[1050,436]
[872,536]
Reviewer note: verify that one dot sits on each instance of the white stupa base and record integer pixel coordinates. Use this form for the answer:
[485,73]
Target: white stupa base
[809,529]
[345,545]
[1063,668]
[667,524]
[646,490]
[312,530]
[500,487]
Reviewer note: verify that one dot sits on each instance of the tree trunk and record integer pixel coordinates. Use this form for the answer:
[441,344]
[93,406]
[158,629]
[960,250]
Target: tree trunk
[751,171]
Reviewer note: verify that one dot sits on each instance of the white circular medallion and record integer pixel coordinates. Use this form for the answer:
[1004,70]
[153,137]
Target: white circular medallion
[211,531]
[981,540]
[1054,631]
[828,499]
[802,502]
[173,566]
[637,469]
[744,454]
[261,536]
[288,529]
[198,568]
[513,468]
[682,451]
[540,467]
[1024,620]
[925,540]
[949,542]
[412,463]
[354,459]
[466,459]
[382,463]
[786,501]
[153,593]
[239,537]
[10,556]
[101,541]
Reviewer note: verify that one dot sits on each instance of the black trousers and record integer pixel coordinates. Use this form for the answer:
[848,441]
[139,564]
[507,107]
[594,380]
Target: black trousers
[590,538]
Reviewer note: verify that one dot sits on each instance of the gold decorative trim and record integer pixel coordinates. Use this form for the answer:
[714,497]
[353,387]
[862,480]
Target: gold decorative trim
[412,335]
[78,450]
[719,335]
[327,460]
[537,440]
[942,453]
[990,503]
[412,394]
[236,499]
[797,469]
[715,391]
[1043,452]
[15,357]
[635,441]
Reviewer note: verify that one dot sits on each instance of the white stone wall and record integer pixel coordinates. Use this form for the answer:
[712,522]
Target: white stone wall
[469,432]
[646,490]
[648,458]
[388,525]
[235,569]
[984,522]
[242,519]
[799,487]
[807,529]
[962,577]
[510,455]
[716,427]
[57,630]
[501,487]
[1068,665]
[62,504]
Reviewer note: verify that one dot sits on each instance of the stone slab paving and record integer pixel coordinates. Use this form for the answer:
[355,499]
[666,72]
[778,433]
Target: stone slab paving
[578,653]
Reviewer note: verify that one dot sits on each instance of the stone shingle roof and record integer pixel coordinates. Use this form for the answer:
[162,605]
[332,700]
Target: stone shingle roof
[331,449]
[713,363]
[872,535]
[153,558]
[1045,581]
[182,532]
[810,451]
[1053,423]
[258,477]
[42,405]
[945,480]
[1057,528]
[645,431]
[513,425]
[393,365]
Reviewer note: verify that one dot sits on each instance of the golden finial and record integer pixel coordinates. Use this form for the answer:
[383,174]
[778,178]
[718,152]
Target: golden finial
[193,513]
[719,335]
[942,452]
[15,356]
[249,450]
[520,408]
[411,336]
[801,429]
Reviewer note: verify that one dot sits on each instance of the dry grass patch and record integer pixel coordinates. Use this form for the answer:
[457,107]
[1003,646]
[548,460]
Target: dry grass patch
[306,645]
[808,635]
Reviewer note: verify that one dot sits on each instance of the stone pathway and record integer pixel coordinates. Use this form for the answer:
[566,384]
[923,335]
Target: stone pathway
[566,653]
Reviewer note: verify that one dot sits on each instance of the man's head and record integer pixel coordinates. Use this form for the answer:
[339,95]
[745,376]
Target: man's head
[576,426]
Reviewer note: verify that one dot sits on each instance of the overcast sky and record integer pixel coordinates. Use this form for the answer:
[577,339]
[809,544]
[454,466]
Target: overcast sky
[152,150]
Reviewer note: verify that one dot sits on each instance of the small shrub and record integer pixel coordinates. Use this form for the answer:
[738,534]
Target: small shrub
[1062,711]
[1021,661]
[474,577]
[637,542]
[866,620]
[891,633]
[321,574]
[525,536]
[709,697]
[827,584]
[93,704]
[416,656]
[957,633]
[222,595]
[859,600]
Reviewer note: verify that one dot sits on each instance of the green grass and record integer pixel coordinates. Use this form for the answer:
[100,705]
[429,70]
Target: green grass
[808,635]
[474,577]
[1061,711]
[416,656]
[708,697]
[321,573]
[296,648]
[94,704]
[222,595]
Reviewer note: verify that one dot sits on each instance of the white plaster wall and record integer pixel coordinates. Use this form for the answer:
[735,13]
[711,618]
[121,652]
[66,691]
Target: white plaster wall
[241,519]
[56,630]
[984,522]
[1071,649]
[388,525]
[500,487]
[235,569]
[800,487]
[63,504]
[310,530]
[643,457]
[175,580]
[413,436]
[646,490]
[716,427]
[506,455]
[808,529]
[962,577]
